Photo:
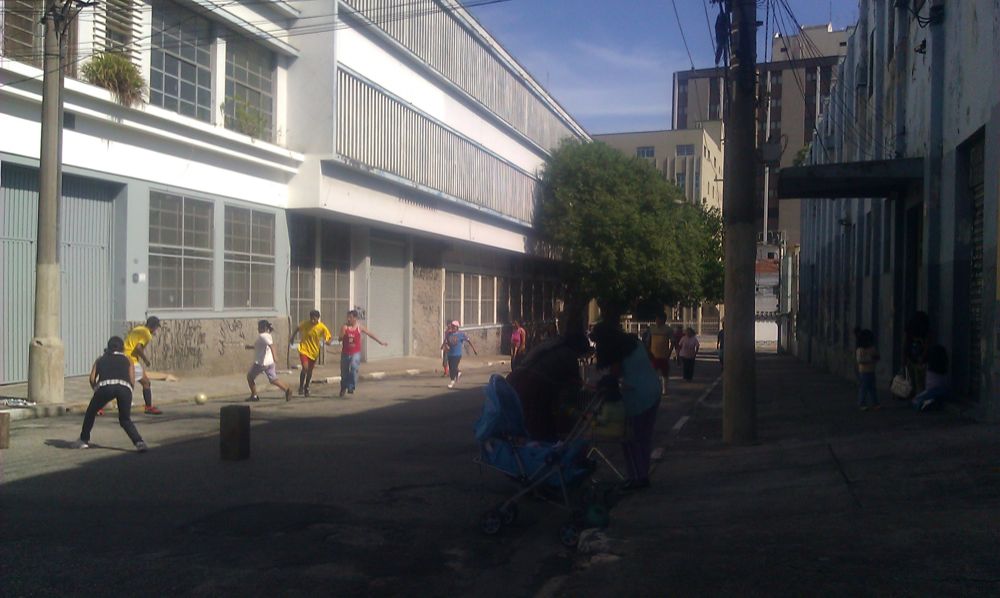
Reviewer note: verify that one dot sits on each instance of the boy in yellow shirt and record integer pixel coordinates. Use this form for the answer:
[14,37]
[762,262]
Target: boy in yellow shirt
[136,342]
[314,335]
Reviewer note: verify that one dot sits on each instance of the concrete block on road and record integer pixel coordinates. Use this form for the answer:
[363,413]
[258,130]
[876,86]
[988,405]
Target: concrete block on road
[234,432]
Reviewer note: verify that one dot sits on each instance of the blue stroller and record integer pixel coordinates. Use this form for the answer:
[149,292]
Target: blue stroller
[552,472]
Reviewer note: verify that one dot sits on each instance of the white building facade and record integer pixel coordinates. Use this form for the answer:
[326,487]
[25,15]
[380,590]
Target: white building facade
[287,156]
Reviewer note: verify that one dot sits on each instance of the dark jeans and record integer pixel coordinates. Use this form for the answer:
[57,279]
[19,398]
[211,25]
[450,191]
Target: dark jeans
[104,395]
[688,367]
[867,395]
[453,366]
[638,449]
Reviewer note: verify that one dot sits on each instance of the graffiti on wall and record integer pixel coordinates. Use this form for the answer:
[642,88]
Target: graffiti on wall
[178,345]
[232,336]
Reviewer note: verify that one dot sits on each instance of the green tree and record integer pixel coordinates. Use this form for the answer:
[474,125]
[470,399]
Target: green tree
[623,235]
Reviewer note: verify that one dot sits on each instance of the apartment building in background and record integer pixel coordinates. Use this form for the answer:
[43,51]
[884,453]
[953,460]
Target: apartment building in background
[286,156]
[797,78]
[691,158]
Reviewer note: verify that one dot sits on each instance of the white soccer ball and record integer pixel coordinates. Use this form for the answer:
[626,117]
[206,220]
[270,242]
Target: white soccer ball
[201,398]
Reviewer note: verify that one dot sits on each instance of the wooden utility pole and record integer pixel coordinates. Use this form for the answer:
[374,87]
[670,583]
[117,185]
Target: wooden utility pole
[46,354]
[739,415]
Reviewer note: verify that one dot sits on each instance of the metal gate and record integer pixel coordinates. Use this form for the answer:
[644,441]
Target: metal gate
[86,226]
[387,303]
[977,192]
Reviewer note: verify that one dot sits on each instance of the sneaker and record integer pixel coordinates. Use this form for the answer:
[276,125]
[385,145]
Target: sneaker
[252,399]
[876,407]
[141,447]
[350,391]
[864,407]
[288,394]
[451,384]
[343,391]
[305,391]
[79,444]
[301,391]
[152,410]
[100,412]
[927,404]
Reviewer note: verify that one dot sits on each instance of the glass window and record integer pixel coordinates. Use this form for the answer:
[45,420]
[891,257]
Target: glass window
[452,296]
[515,297]
[249,106]
[487,304]
[685,150]
[681,179]
[249,258]
[180,78]
[646,151]
[302,276]
[470,294]
[180,252]
[335,282]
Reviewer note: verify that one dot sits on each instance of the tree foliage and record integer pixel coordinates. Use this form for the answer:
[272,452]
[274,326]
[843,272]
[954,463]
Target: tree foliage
[625,235]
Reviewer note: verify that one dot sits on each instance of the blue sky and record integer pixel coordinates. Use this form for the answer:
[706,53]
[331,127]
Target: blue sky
[610,62]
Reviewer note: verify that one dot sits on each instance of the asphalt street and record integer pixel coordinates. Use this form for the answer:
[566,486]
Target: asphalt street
[375,494]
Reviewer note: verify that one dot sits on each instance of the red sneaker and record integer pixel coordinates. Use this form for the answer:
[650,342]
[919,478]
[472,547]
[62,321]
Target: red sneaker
[100,412]
[152,410]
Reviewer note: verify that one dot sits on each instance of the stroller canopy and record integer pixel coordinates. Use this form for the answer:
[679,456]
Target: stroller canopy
[502,415]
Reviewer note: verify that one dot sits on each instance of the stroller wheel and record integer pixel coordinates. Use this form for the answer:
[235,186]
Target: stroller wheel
[491,522]
[509,514]
[569,535]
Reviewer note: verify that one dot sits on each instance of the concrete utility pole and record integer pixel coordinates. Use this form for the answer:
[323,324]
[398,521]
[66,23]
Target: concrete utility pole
[739,415]
[46,354]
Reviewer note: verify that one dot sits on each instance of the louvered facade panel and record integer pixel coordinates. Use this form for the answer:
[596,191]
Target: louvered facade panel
[380,132]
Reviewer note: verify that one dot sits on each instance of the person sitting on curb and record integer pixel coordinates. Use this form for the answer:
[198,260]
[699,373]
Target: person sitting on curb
[937,388]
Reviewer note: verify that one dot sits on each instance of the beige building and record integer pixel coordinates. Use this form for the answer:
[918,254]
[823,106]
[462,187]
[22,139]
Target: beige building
[690,158]
[798,79]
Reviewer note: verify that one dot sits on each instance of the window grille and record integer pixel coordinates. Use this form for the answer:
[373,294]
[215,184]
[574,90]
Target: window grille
[429,29]
[23,31]
[249,258]
[249,105]
[452,296]
[180,252]
[117,27]
[180,78]
[380,132]
[470,293]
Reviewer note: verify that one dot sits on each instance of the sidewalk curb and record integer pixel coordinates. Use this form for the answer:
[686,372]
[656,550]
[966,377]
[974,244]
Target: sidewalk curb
[58,410]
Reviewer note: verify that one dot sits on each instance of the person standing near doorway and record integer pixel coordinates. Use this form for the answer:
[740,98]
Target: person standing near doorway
[314,335]
[350,351]
[688,352]
[136,342]
[264,362]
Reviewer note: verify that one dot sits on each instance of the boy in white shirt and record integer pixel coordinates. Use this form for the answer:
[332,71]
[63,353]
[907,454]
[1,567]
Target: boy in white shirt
[264,362]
